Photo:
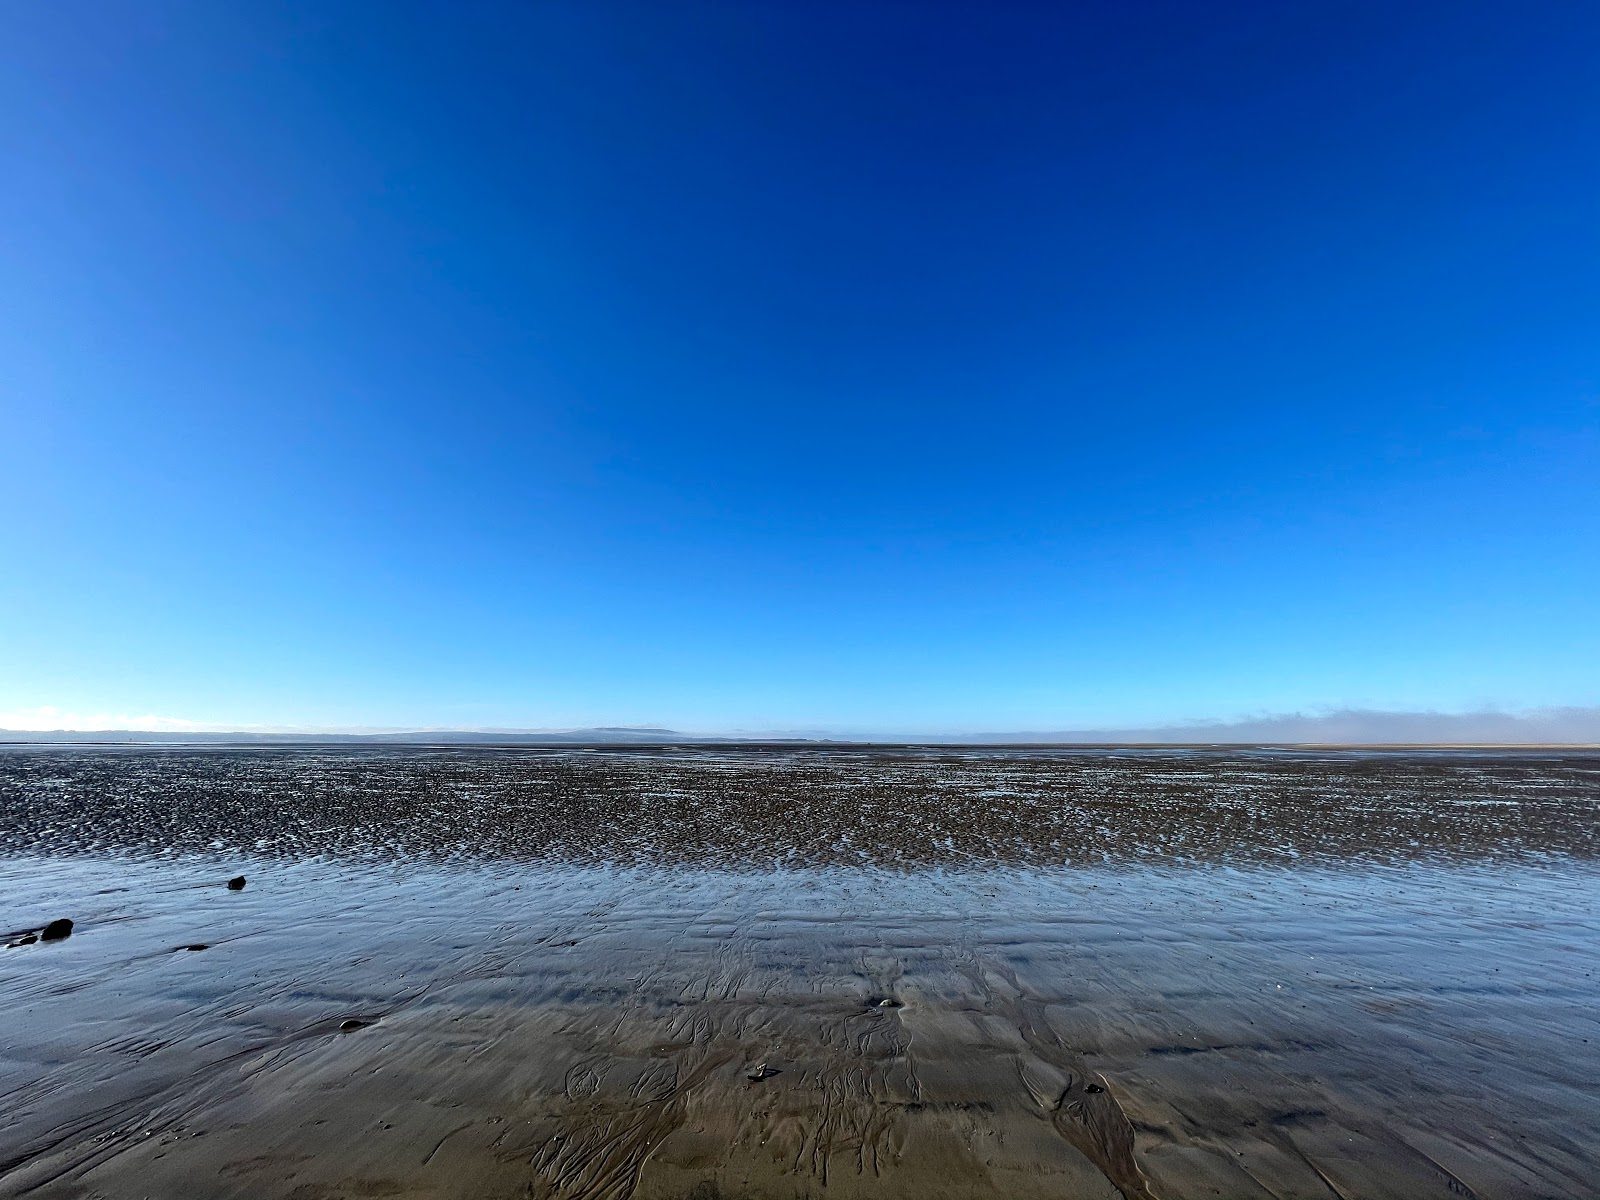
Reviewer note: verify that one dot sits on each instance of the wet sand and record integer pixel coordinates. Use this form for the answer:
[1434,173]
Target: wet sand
[775,973]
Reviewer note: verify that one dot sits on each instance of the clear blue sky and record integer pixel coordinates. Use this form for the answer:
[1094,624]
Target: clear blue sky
[760,365]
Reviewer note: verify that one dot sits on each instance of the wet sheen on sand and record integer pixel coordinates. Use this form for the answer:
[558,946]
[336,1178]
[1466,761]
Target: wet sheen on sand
[775,973]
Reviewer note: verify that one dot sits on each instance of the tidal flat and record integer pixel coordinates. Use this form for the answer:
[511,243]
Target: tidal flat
[776,971]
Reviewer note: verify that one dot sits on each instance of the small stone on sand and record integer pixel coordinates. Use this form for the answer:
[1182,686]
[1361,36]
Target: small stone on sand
[56,930]
[352,1024]
[236,884]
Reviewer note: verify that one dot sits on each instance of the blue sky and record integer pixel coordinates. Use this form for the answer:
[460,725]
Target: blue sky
[751,366]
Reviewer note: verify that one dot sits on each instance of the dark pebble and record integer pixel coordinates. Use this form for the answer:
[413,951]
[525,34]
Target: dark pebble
[198,946]
[236,884]
[1092,1088]
[56,930]
[353,1024]
[756,1074]
[26,939]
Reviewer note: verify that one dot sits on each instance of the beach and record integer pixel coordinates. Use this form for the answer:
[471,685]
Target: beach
[800,972]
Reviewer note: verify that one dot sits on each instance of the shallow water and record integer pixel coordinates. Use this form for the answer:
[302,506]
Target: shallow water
[1147,974]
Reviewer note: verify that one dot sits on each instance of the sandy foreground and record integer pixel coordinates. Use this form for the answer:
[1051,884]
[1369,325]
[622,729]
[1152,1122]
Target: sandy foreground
[776,975]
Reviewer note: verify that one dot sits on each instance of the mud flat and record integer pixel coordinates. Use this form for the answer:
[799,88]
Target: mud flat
[785,973]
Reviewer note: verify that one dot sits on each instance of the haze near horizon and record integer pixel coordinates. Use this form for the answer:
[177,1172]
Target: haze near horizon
[771,367]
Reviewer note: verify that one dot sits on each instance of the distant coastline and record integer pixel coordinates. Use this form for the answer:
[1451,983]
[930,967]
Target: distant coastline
[1351,728]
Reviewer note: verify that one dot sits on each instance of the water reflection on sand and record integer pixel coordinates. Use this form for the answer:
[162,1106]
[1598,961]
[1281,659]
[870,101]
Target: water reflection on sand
[1272,1015]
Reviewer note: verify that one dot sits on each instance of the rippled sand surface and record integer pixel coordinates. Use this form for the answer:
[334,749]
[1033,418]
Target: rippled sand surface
[784,973]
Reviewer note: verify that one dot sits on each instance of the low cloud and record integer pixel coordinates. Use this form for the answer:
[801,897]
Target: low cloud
[1356,726]
[47,717]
